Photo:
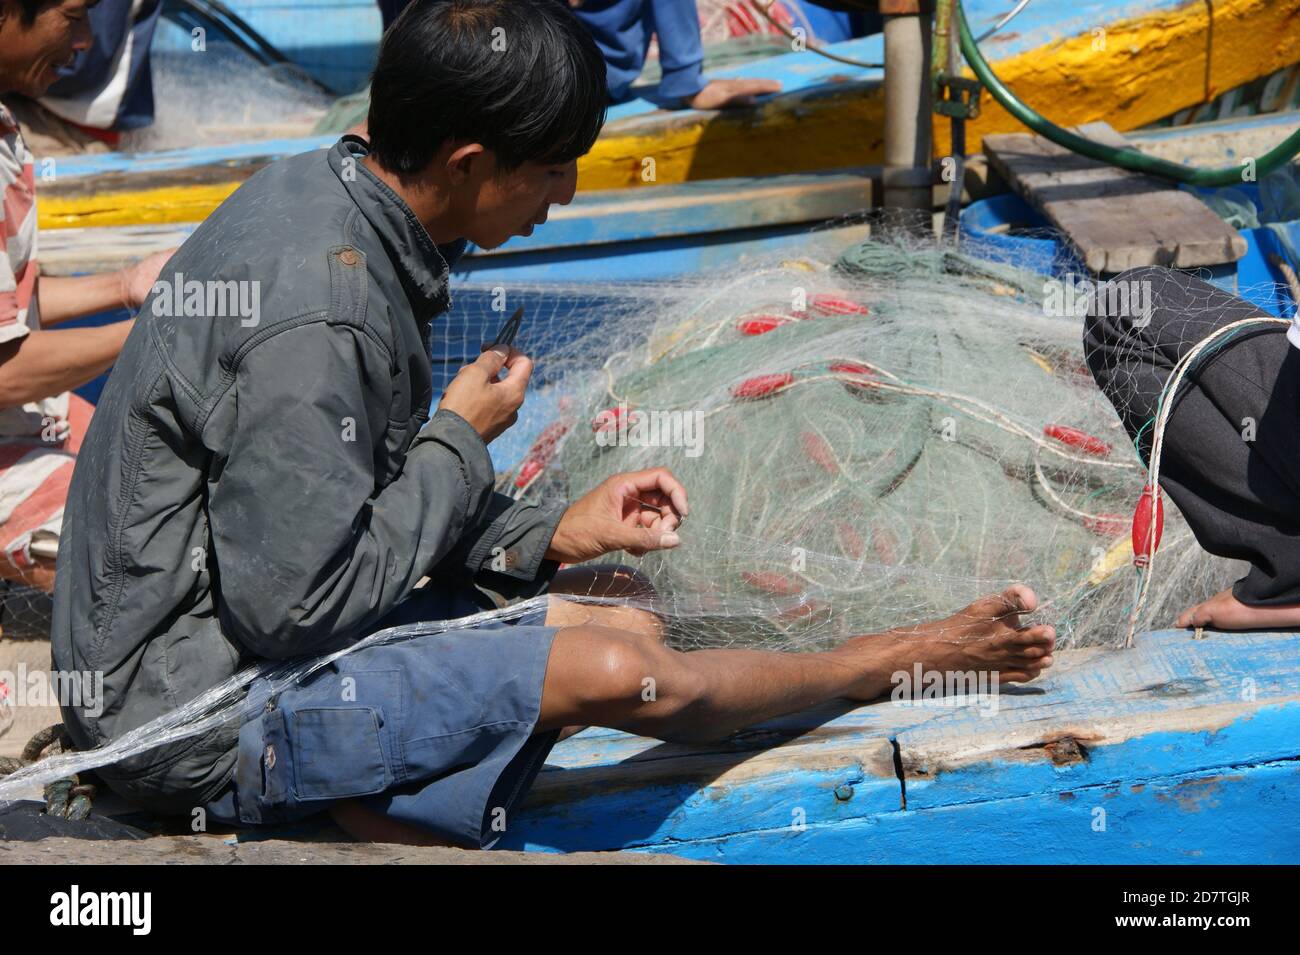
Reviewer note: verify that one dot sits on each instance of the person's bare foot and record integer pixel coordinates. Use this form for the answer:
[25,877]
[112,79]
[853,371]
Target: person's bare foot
[985,637]
[1224,611]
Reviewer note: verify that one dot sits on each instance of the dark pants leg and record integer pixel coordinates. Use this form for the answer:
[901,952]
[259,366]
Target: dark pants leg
[1231,458]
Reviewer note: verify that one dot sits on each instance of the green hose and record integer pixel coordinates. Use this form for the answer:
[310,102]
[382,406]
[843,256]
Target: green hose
[1127,158]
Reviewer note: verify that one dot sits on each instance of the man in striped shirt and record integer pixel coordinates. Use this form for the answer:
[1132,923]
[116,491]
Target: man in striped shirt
[41,422]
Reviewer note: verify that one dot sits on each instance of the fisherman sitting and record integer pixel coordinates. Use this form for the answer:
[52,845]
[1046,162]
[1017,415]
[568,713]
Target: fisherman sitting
[278,490]
[1227,458]
[41,422]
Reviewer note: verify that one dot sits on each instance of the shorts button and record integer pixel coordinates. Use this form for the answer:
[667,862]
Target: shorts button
[348,257]
[270,757]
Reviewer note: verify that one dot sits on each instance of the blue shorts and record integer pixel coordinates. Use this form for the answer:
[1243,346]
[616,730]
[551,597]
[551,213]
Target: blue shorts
[435,731]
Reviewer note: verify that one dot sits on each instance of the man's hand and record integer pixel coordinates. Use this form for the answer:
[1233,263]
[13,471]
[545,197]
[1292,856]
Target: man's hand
[138,280]
[490,405]
[635,512]
[730,94]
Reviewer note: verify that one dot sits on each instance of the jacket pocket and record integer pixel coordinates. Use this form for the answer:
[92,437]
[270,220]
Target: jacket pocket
[337,753]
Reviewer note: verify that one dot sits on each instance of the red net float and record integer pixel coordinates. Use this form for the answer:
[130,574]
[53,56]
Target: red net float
[761,386]
[885,544]
[743,21]
[770,582]
[863,376]
[851,542]
[801,611]
[543,448]
[1074,438]
[1150,510]
[830,305]
[1106,525]
[531,468]
[760,324]
[612,419]
[819,451]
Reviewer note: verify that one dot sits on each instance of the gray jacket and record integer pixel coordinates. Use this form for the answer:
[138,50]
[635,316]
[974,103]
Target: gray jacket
[271,485]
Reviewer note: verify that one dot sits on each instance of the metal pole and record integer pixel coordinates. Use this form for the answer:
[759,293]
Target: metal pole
[907,174]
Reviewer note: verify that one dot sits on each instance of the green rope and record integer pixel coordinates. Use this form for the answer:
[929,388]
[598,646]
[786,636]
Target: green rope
[1126,158]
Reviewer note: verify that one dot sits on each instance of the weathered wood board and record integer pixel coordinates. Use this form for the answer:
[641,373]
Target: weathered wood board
[1180,750]
[1116,219]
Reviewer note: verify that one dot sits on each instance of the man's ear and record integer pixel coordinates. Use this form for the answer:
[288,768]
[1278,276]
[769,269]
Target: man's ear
[463,161]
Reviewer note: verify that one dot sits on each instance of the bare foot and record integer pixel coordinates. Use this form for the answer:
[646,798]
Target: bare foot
[1223,611]
[985,637]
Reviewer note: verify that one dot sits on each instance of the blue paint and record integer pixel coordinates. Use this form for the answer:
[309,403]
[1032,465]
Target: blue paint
[1243,817]
[335,41]
[230,154]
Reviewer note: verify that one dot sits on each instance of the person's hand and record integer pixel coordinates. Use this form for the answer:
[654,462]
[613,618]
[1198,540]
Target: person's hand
[730,94]
[636,512]
[488,404]
[138,280]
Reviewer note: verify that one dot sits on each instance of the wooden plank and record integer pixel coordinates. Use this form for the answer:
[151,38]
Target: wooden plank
[1116,219]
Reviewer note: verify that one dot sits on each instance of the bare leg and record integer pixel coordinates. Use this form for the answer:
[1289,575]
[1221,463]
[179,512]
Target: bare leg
[603,580]
[602,677]
[606,677]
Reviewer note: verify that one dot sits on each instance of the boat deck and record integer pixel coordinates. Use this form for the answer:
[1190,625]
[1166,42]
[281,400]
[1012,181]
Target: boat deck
[1180,750]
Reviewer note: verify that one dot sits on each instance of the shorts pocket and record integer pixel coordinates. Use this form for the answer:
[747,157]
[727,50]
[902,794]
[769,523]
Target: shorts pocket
[337,753]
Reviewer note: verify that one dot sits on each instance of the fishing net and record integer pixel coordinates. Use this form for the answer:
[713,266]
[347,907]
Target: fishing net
[24,612]
[868,440]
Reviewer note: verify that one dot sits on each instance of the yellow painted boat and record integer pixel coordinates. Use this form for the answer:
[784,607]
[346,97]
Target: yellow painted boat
[1132,63]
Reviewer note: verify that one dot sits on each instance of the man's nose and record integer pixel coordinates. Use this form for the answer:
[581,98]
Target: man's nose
[82,38]
[565,186]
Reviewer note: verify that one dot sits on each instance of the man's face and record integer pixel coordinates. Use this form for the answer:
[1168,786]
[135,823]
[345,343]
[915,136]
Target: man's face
[498,207]
[32,54]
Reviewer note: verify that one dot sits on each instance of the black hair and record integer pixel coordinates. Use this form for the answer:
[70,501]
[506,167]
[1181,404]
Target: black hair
[522,77]
[28,10]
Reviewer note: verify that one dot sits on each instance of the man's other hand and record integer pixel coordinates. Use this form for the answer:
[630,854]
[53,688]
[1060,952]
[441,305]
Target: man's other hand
[731,94]
[636,512]
[138,280]
[489,404]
